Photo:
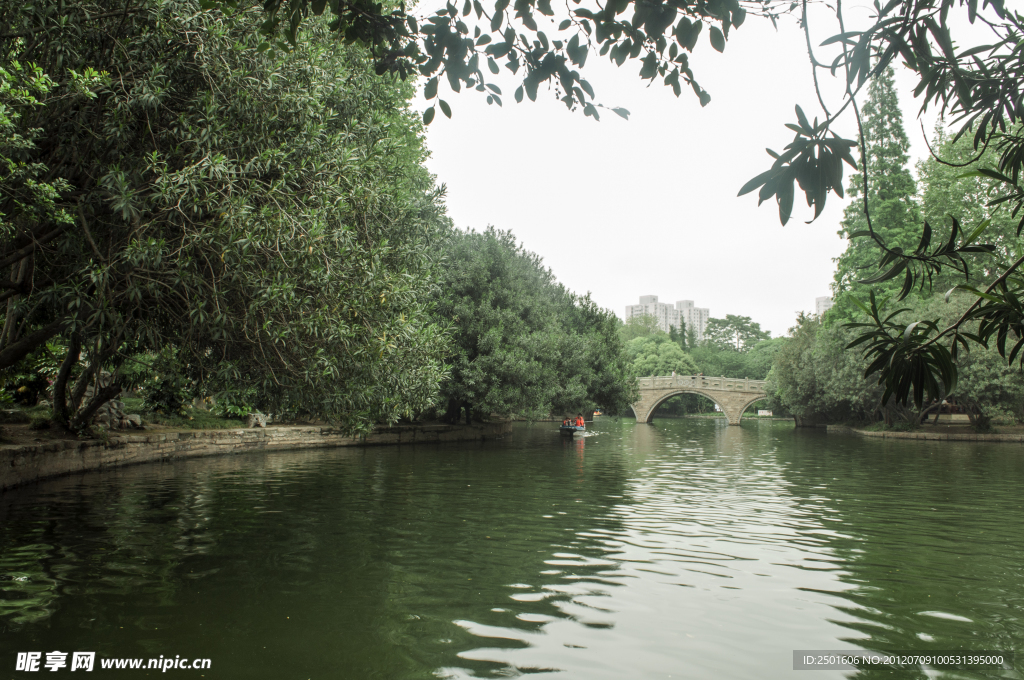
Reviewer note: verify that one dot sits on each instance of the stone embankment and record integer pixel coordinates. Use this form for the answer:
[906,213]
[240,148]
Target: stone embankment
[25,464]
[930,436]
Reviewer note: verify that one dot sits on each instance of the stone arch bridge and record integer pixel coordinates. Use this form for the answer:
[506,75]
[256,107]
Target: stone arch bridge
[733,395]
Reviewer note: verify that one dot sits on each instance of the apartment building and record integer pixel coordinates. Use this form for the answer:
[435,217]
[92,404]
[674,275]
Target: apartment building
[667,315]
[694,317]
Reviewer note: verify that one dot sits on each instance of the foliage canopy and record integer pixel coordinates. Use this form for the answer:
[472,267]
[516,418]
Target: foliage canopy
[976,86]
[524,345]
[264,214]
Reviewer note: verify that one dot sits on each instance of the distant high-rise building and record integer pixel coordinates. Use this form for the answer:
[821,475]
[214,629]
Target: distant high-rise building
[667,316]
[694,317]
[664,314]
[822,304]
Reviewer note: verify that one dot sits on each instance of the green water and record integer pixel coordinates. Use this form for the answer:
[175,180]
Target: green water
[685,549]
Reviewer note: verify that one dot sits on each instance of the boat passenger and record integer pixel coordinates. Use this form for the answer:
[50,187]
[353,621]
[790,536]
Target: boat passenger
[579,420]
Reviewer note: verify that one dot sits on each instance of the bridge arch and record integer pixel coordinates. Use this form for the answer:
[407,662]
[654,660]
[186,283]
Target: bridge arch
[668,395]
[732,395]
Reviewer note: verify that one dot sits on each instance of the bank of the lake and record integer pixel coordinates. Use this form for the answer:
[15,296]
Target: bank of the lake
[685,548]
[24,464]
[933,435]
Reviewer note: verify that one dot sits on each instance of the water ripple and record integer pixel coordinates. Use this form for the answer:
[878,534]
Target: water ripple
[684,549]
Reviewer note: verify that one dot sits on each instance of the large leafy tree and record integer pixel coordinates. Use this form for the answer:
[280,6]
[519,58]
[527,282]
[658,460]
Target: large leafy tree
[735,332]
[658,355]
[523,344]
[725,360]
[817,380]
[263,214]
[639,326]
[951,185]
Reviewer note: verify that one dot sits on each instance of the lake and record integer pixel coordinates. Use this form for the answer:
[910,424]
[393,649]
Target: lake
[682,549]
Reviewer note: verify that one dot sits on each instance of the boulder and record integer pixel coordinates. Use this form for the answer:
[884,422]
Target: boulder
[255,420]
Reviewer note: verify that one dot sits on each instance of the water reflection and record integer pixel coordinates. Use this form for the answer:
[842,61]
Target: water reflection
[929,539]
[684,549]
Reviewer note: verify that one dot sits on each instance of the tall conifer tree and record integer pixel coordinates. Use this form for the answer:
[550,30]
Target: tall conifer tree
[895,215]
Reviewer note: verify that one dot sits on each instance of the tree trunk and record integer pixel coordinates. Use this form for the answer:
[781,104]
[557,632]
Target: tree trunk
[453,413]
[923,415]
[61,417]
[100,397]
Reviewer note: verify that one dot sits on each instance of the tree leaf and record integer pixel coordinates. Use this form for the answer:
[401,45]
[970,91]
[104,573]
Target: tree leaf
[717,39]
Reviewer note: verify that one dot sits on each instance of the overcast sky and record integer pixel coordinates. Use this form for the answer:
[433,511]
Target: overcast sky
[648,206]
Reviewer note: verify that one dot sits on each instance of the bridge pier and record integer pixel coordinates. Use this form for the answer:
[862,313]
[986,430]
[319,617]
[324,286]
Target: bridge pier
[732,395]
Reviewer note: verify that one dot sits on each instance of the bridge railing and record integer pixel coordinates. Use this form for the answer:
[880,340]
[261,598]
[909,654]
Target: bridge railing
[705,382]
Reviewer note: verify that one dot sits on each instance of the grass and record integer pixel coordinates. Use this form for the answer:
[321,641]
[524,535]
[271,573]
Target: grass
[133,404]
[194,418]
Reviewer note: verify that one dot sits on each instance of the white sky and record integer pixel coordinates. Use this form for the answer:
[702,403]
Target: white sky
[648,206]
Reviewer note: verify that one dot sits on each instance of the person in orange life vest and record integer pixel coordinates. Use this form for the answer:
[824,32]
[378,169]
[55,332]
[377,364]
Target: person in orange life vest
[579,420]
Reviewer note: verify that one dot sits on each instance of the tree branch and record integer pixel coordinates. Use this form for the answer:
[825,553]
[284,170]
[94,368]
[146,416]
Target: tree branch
[33,31]
[88,236]
[36,242]
[17,351]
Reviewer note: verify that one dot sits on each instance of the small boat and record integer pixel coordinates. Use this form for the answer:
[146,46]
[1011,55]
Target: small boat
[572,430]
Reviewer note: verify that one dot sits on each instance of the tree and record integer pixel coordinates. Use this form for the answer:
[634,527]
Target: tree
[954,186]
[691,338]
[639,326]
[713,359]
[523,344]
[678,335]
[594,366]
[896,216]
[817,380]
[720,360]
[739,333]
[264,215]
[760,358]
[657,355]
[986,385]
